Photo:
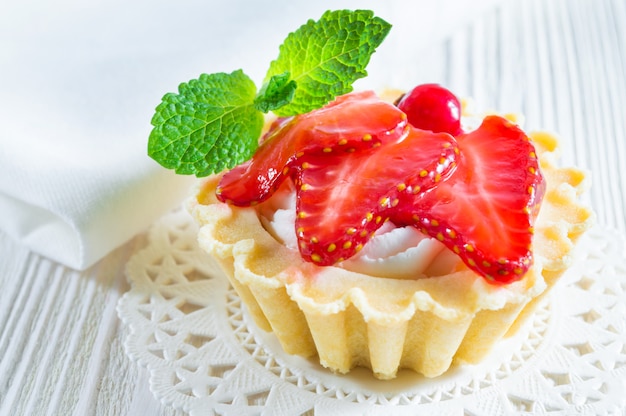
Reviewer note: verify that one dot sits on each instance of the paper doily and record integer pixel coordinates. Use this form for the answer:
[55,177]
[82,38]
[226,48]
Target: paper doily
[206,357]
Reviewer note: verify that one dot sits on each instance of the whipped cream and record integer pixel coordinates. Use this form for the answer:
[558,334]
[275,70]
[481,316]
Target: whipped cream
[393,252]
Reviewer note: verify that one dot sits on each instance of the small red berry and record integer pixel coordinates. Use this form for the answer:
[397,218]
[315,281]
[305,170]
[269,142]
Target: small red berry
[432,107]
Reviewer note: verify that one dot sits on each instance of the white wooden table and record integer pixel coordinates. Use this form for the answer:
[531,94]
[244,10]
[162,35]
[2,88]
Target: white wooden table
[562,63]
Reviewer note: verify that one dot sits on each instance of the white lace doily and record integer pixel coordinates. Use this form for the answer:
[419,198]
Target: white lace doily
[206,357]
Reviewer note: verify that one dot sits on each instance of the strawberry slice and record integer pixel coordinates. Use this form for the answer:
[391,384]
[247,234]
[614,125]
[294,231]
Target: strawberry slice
[343,198]
[352,123]
[485,210]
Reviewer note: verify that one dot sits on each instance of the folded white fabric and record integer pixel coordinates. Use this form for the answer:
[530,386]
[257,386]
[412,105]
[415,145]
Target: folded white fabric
[74,204]
[79,83]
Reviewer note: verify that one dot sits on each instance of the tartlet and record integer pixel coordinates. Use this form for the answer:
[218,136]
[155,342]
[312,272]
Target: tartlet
[351,319]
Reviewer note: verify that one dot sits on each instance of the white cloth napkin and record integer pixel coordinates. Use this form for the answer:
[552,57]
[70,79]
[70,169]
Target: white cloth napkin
[79,83]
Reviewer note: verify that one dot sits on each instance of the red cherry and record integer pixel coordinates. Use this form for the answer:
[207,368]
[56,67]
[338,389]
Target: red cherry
[432,107]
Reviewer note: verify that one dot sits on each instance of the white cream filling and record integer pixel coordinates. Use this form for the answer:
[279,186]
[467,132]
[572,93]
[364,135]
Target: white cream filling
[393,252]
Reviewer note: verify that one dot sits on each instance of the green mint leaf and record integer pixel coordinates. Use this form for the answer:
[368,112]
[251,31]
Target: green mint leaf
[276,93]
[325,57]
[209,126]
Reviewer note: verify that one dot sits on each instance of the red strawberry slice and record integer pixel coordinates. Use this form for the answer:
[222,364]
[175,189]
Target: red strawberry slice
[352,123]
[485,210]
[342,199]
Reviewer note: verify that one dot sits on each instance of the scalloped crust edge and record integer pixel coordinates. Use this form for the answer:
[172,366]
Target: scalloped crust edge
[350,319]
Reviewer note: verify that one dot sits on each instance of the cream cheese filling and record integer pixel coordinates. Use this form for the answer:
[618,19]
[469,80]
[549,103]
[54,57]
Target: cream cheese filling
[393,252]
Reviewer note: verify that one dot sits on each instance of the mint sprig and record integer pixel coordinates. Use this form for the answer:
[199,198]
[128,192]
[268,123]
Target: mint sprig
[209,126]
[214,122]
[326,57]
